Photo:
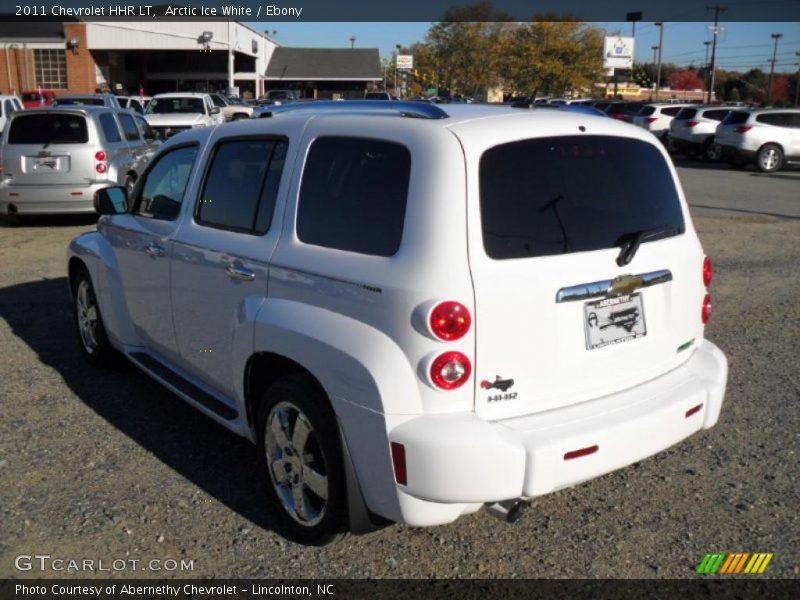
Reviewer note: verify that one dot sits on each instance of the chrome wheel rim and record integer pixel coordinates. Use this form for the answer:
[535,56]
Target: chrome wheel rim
[713,152]
[296,463]
[86,310]
[769,159]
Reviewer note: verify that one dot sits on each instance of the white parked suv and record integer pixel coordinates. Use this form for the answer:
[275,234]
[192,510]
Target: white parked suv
[412,313]
[169,114]
[768,138]
[691,131]
[656,118]
[8,106]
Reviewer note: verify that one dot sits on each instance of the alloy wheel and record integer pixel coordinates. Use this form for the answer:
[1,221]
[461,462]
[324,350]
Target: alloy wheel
[86,309]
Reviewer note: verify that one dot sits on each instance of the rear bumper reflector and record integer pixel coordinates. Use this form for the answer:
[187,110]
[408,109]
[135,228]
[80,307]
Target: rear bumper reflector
[694,410]
[582,452]
[76,194]
[399,462]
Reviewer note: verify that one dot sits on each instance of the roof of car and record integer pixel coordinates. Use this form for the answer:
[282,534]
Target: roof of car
[182,95]
[761,111]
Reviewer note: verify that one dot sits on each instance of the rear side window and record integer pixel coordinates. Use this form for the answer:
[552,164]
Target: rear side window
[737,117]
[716,115]
[241,185]
[144,129]
[686,113]
[48,129]
[780,119]
[353,195]
[569,194]
[129,127]
[647,111]
[671,111]
[110,129]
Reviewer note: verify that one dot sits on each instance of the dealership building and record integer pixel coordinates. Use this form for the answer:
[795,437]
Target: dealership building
[173,55]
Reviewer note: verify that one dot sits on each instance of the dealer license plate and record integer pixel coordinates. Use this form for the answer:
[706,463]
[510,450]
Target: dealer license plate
[614,320]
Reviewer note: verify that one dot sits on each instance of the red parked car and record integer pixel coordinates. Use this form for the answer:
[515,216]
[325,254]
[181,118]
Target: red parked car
[38,98]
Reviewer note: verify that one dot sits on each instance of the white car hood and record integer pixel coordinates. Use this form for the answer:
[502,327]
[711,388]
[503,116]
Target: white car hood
[175,120]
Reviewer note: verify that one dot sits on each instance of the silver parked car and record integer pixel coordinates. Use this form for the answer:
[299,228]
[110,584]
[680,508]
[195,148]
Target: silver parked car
[769,138]
[55,159]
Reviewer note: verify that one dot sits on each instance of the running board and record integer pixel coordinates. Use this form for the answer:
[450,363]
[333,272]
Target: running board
[171,378]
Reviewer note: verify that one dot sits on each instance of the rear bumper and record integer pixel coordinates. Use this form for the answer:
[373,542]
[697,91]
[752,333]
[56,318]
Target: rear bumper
[462,460]
[48,199]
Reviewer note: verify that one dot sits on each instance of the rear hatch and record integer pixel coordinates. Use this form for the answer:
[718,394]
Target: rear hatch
[549,217]
[729,132]
[680,124]
[49,148]
[645,116]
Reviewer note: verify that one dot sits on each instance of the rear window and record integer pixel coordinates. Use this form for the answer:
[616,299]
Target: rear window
[48,129]
[569,194]
[737,117]
[686,113]
[79,101]
[716,114]
[647,111]
[671,111]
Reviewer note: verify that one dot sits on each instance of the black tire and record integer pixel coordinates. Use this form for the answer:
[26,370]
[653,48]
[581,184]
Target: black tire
[712,151]
[239,117]
[298,468]
[769,158]
[92,337]
[9,220]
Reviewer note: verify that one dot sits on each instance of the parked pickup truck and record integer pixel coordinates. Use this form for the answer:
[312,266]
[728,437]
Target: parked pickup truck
[413,311]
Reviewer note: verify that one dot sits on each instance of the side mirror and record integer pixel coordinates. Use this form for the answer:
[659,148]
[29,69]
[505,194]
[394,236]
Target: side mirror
[111,201]
[215,110]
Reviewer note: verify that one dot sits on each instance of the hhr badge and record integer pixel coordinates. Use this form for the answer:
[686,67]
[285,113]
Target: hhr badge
[499,384]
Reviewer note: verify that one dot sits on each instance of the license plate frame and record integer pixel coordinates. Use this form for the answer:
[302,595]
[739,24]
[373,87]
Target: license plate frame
[613,321]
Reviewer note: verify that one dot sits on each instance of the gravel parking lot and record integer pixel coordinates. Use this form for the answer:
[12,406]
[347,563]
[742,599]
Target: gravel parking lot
[109,465]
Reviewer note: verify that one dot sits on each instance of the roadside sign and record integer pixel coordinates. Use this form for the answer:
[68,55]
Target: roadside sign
[618,53]
[405,61]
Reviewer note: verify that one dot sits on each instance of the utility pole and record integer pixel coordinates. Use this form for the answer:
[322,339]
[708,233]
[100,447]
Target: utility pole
[660,50]
[352,41]
[776,37]
[797,86]
[715,30]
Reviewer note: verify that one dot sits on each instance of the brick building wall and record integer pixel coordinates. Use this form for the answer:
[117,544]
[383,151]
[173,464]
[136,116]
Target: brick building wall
[12,69]
[81,67]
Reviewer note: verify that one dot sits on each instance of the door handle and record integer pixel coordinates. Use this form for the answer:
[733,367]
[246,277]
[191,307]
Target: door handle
[241,273]
[154,250]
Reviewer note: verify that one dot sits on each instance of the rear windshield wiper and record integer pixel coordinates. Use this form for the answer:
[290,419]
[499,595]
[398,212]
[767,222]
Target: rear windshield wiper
[629,242]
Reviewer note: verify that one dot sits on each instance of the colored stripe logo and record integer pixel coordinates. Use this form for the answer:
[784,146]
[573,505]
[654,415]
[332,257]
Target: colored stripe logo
[734,563]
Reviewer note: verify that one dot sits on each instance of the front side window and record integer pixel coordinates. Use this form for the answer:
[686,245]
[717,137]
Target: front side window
[165,184]
[353,195]
[144,130]
[218,101]
[546,196]
[241,186]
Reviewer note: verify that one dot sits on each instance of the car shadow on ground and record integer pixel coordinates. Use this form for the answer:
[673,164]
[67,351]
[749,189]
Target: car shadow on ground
[208,455]
[47,220]
[743,211]
[705,165]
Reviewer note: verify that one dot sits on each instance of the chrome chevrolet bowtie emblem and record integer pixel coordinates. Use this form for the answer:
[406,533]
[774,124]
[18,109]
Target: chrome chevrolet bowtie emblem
[625,284]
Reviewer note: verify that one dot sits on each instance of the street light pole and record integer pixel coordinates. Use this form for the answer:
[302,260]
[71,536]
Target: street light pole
[797,86]
[715,30]
[660,50]
[352,41]
[776,37]
[398,47]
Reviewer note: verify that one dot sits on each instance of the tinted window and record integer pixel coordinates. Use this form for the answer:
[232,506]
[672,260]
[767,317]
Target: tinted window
[129,127]
[670,111]
[716,115]
[135,105]
[165,183]
[647,111]
[737,117]
[686,113]
[217,100]
[144,129]
[795,122]
[79,102]
[353,195]
[8,108]
[242,180]
[31,97]
[159,106]
[573,194]
[110,129]
[48,129]
[780,119]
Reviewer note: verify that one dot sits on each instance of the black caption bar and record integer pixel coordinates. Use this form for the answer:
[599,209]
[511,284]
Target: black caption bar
[242,589]
[386,10]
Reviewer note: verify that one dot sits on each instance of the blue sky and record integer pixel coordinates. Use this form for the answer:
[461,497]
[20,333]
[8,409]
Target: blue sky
[740,45]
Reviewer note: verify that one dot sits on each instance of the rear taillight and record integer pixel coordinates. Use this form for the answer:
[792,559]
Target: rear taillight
[705,312]
[449,321]
[650,119]
[708,272]
[618,116]
[101,167]
[692,123]
[743,128]
[99,156]
[450,370]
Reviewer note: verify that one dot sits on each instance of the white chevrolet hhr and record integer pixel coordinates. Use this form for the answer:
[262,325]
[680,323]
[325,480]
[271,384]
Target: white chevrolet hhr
[413,311]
